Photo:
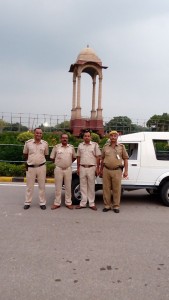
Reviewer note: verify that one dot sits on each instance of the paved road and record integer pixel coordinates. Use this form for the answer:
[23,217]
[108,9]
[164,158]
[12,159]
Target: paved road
[83,254]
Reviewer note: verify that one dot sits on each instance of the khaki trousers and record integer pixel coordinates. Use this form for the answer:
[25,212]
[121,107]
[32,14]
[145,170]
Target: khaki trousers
[87,185]
[111,182]
[60,175]
[31,175]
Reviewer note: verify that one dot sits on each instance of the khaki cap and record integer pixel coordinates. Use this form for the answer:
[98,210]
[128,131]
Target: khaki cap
[113,132]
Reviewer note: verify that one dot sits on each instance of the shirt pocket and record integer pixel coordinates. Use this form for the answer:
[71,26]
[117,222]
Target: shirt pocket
[32,150]
[42,150]
[107,152]
[59,154]
[70,152]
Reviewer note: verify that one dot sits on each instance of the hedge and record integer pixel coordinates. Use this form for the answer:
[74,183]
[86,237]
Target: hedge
[13,170]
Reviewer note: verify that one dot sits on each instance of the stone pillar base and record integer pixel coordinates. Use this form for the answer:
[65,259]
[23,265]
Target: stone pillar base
[79,125]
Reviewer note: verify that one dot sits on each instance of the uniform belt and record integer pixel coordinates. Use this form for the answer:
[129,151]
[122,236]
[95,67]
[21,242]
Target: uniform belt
[36,166]
[117,168]
[87,166]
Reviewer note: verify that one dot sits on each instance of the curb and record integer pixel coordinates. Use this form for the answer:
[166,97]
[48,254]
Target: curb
[21,179]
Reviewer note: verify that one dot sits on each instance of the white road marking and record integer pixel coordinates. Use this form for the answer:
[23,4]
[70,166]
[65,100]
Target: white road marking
[18,184]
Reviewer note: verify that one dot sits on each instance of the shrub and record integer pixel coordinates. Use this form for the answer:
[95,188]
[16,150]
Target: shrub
[103,142]
[95,137]
[11,153]
[25,136]
[7,169]
[50,170]
[13,170]
[9,138]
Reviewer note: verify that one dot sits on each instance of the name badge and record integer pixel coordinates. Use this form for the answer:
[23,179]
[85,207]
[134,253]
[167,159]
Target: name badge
[118,157]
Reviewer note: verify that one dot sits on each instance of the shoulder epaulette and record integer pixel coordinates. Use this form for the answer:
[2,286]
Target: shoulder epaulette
[44,141]
[29,140]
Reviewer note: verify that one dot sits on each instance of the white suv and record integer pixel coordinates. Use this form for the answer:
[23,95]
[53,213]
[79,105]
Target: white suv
[148,165]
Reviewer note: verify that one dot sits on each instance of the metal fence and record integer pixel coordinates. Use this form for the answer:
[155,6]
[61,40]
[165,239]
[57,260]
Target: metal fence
[17,121]
[31,120]
[48,122]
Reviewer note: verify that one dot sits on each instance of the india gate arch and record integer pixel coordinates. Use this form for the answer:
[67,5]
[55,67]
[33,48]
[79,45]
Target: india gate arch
[87,62]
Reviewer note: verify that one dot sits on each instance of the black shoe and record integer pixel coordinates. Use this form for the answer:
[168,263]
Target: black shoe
[106,209]
[116,210]
[26,206]
[43,207]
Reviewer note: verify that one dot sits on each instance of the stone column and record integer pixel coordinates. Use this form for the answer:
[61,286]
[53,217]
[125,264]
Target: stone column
[93,111]
[99,110]
[78,108]
[73,98]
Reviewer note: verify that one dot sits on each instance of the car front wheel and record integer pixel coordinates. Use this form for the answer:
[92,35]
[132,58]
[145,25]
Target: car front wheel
[76,195]
[165,193]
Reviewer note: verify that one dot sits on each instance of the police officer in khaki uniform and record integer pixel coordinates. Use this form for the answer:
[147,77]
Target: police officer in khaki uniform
[63,155]
[88,160]
[114,163]
[35,151]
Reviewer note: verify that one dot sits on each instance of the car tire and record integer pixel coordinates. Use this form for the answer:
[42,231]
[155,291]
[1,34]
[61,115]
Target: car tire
[76,195]
[165,193]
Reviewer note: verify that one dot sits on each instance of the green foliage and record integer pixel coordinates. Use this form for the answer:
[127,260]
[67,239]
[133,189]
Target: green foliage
[2,125]
[95,137]
[161,145]
[13,170]
[138,128]
[50,170]
[77,142]
[25,136]
[103,141]
[14,127]
[9,138]
[63,125]
[123,125]
[11,152]
[159,122]
[10,148]
[51,138]
[7,169]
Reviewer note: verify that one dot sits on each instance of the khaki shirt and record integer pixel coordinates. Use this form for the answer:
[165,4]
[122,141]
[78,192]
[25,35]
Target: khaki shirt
[113,157]
[88,153]
[63,155]
[36,152]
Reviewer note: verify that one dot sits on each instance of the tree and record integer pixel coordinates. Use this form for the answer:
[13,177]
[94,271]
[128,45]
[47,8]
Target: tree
[15,127]
[24,136]
[63,125]
[121,124]
[95,137]
[59,127]
[159,122]
[2,125]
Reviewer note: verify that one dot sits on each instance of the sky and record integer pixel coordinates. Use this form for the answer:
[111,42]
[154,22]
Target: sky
[40,39]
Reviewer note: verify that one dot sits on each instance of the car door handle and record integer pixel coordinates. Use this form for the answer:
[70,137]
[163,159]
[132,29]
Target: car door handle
[135,165]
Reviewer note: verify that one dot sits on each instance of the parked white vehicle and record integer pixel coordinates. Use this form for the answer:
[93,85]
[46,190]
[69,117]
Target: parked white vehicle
[148,165]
